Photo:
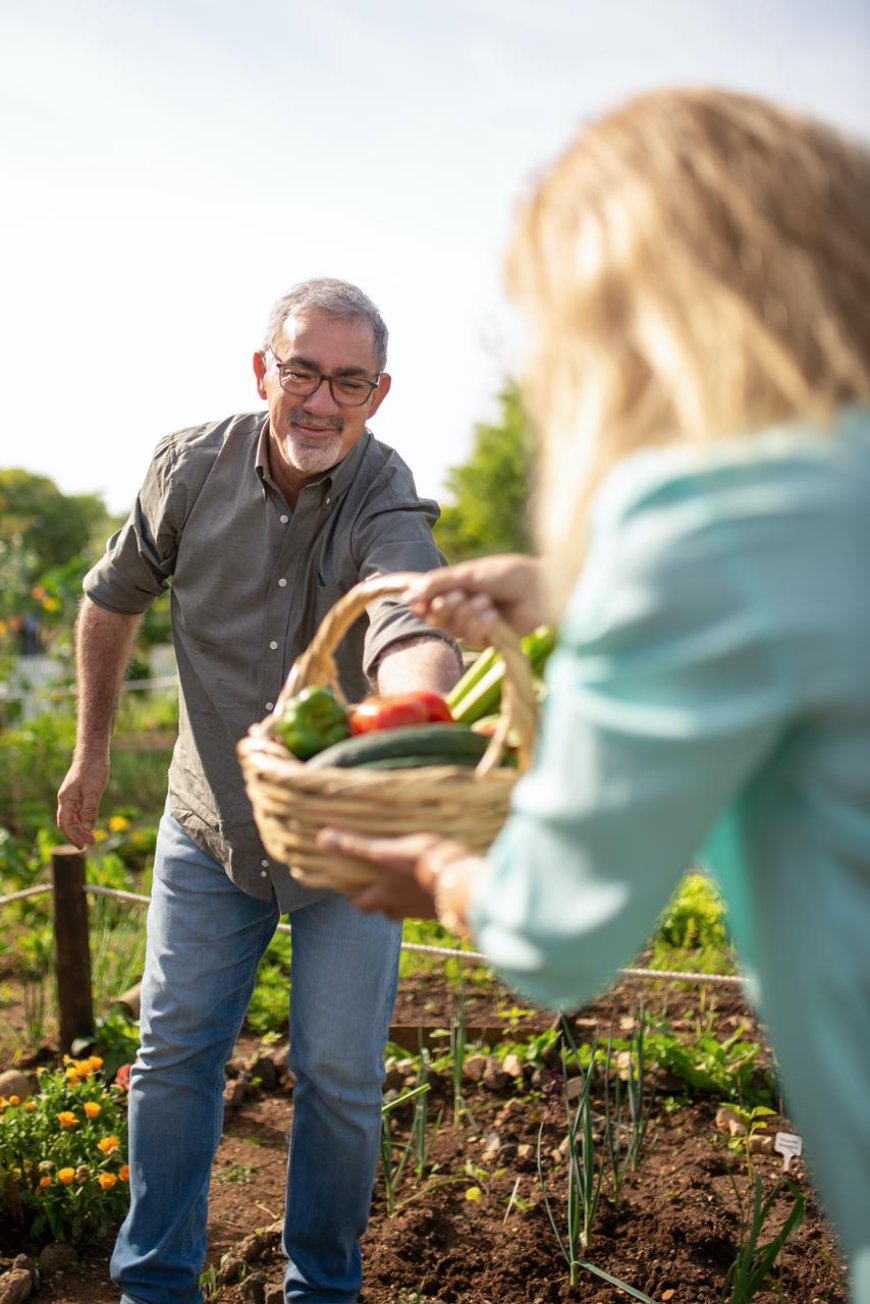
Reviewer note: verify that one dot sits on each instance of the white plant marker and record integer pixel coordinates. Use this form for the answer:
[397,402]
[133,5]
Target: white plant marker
[789,1145]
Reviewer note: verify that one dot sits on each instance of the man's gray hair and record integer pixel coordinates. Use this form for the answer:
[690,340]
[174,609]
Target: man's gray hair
[330,295]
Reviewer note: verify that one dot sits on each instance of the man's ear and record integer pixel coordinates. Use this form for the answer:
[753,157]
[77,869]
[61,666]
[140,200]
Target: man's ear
[260,372]
[381,392]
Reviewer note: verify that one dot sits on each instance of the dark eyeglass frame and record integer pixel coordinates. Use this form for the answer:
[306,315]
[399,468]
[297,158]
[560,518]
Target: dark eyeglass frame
[319,377]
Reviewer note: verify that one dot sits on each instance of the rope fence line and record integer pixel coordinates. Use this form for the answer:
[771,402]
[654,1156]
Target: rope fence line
[476,957]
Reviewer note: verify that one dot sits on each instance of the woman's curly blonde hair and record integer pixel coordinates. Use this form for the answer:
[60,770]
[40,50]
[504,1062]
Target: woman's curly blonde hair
[696,265]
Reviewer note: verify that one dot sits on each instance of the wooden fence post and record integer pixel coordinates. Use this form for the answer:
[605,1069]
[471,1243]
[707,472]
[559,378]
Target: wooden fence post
[72,946]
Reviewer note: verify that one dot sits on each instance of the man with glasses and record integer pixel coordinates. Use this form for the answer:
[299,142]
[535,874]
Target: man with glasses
[259,523]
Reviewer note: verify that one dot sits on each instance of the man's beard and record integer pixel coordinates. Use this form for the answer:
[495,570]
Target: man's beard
[309,452]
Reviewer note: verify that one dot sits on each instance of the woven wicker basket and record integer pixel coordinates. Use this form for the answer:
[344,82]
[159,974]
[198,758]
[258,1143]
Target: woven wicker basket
[292,802]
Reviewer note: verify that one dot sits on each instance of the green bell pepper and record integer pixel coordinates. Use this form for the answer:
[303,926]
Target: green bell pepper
[312,720]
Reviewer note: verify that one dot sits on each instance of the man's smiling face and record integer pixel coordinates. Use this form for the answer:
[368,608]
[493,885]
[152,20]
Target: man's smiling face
[309,435]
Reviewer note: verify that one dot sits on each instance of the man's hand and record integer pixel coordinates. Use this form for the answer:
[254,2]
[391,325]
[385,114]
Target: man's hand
[78,800]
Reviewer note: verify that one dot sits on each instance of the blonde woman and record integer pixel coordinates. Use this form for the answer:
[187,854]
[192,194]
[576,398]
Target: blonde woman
[696,275]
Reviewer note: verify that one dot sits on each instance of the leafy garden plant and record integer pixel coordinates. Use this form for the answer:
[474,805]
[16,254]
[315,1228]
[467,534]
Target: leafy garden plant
[63,1154]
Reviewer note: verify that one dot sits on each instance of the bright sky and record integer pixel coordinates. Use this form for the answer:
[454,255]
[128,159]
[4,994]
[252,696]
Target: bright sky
[171,167]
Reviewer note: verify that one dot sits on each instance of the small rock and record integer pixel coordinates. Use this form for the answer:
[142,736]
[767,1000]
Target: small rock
[231,1270]
[513,1066]
[474,1067]
[234,1093]
[57,1258]
[728,1121]
[762,1145]
[24,1261]
[15,1286]
[510,1109]
[15,1083]
[525,1150]
[254,1288]
[264,1070]
[494,1076]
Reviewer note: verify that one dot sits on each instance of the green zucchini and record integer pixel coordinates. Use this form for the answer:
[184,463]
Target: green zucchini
[405,748]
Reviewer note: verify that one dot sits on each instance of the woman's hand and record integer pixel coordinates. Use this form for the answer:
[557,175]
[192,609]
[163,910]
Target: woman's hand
[466,599]
[421,876]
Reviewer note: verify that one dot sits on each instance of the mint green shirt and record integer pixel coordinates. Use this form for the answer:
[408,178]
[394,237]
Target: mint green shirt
[710,703]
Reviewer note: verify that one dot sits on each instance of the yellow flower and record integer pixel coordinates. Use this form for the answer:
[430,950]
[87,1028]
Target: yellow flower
[124,1172]
[108,1144]
[66,1175]
[14,1100]
[72,1075]
[92,1109]
[100,835]
[118,824]
[95,1061]
[67,1059]
[107,1180]
[45,1182]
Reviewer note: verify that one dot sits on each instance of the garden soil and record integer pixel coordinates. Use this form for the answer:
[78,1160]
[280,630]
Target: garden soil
[475,1228]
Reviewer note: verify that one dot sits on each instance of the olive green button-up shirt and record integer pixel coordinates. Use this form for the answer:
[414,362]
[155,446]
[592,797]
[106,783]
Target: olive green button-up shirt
[251,580]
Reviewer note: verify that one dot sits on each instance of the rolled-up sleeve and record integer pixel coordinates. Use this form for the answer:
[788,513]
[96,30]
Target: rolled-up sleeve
[663,696]
[139,559]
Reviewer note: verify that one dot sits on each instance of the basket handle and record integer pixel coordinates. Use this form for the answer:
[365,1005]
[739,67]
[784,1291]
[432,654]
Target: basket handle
[317,666]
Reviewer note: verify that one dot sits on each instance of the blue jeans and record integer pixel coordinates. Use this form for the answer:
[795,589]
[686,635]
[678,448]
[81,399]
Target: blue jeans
[205,940]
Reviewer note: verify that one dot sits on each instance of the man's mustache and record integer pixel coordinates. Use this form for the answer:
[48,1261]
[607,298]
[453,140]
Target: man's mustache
[321,423]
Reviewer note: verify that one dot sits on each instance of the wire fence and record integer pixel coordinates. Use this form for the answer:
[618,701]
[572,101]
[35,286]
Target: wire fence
[419,948]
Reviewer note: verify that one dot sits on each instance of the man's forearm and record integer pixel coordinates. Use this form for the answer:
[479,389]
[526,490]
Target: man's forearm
[104,643]
[419,662]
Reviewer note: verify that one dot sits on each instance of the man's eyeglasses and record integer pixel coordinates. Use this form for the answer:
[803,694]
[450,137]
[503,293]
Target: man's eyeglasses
[346,391]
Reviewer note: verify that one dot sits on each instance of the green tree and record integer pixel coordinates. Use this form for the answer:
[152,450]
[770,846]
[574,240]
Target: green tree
[488,510]
[46,526]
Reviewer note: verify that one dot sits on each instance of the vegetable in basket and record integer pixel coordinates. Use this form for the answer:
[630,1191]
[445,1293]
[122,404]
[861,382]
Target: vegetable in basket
[420,707]
[478,692]
[311,721]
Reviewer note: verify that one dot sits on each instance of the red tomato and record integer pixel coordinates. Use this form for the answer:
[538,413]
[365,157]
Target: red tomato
[386,713]
[438,710]
[422,707]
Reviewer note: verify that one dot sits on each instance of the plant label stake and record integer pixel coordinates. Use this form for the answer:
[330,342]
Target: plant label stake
[789,1145]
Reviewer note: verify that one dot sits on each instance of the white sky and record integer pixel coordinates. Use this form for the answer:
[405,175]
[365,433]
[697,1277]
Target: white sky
[169,168]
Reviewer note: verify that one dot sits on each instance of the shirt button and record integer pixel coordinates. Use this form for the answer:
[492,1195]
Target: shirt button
[270,706]
[273,645]
[263,873]
[282,584]
[265,864]
[284,520]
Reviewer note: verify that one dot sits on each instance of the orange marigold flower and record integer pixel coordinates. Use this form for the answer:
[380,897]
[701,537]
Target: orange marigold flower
[84,1068]
[45,1181]
[14,1100]
[108,1144]
[118,824]
[95,1061]
[67,1059]
[124,1172]
[92,1109]
[72,1075]
[66,1175]
[107,1181]
[30,1106]
[67,1118]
